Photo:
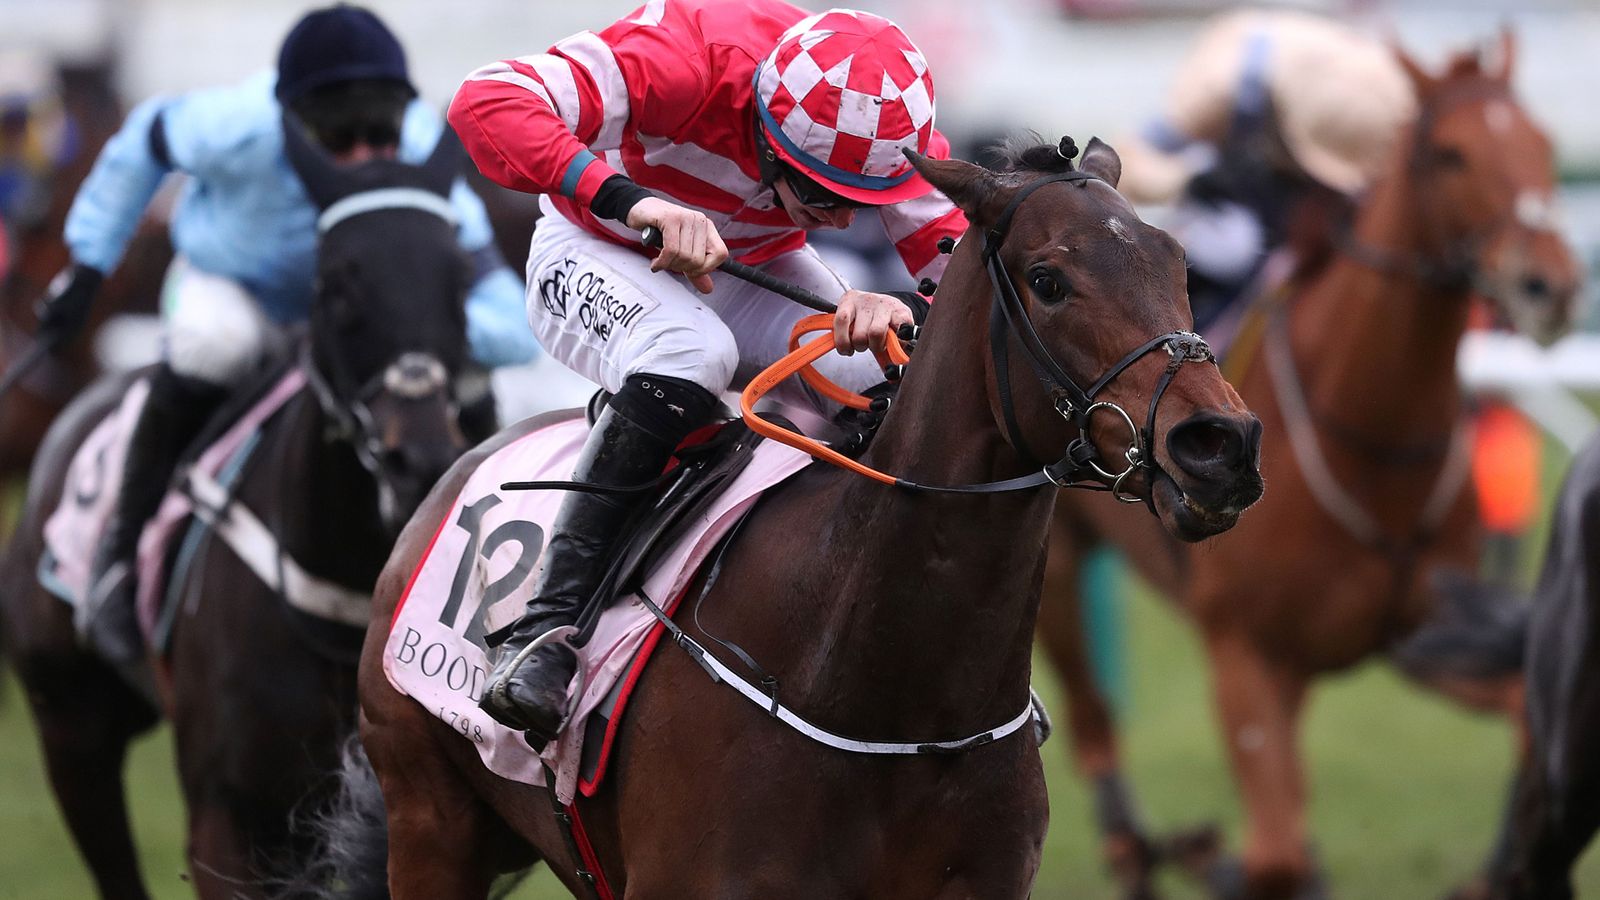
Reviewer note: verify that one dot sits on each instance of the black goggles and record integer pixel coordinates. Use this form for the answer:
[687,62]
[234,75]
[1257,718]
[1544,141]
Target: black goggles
[344,136]
[814,195]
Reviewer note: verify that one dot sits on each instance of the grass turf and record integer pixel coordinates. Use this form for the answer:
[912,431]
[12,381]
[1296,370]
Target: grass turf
[1406,790]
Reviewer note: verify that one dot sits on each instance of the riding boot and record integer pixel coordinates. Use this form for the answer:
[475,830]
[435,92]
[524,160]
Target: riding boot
[176,409]
[631,442]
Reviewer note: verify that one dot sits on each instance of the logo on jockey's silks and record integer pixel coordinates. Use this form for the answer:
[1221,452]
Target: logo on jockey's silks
[553,288]
[564,290]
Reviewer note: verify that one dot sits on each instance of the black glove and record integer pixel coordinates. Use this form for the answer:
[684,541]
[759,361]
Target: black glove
[65,309]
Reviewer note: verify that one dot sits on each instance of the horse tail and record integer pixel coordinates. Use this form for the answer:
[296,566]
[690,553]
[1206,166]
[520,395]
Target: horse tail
[1479,632]
[350,856]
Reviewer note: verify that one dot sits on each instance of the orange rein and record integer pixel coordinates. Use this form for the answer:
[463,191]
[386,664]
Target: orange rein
[799,362]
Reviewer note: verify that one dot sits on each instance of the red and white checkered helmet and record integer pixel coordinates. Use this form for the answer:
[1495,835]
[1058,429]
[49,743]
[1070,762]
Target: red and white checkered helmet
[839,97]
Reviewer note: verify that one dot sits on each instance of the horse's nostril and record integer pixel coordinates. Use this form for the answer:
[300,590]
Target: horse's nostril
[1206,442]
[1212,446]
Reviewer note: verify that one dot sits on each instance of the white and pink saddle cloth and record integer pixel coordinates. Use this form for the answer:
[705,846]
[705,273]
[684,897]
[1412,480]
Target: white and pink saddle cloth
[479,571]
[89,496]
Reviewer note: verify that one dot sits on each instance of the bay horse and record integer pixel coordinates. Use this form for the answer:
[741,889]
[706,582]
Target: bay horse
[1355,380]
[260,694]
[93,114]
[901,615]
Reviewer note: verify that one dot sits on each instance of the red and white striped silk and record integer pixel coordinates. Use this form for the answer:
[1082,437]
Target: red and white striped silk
[665,97]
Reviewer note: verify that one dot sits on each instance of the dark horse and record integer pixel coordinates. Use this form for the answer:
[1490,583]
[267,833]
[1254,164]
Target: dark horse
[93,113]
[1555,802]
[259,693]
[1355,380]
[901,615]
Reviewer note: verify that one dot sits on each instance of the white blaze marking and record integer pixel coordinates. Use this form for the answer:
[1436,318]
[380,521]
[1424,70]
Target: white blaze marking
[1499,116]
[1120,229]
[1538,210]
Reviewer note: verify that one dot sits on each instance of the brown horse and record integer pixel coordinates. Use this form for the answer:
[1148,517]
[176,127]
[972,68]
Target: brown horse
[89,102]
[903,615]
[1355,381]
[260,693]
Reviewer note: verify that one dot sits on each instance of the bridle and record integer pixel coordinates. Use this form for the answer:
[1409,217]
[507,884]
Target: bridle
[1080,464]
[410,376]
[1453,267]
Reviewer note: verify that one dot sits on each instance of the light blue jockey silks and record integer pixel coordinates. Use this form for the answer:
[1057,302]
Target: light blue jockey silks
[244,215]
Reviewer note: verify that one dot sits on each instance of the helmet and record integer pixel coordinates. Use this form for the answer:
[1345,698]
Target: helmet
[336,44]
[1339,100]
[839,97]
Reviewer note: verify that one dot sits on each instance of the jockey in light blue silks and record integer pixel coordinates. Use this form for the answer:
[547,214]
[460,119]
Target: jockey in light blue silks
[245,234]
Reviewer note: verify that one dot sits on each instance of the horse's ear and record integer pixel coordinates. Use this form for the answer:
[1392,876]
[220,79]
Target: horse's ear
[323,181]
[972,187]
[444,163]
[1101,161]
[1421,82]
[1508,54]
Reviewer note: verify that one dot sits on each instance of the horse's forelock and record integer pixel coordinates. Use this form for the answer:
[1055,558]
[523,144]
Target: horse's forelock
[1028,154]
[402,281]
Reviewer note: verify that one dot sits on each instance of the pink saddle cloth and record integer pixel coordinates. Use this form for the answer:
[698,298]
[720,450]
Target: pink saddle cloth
[73,530]
[479,571]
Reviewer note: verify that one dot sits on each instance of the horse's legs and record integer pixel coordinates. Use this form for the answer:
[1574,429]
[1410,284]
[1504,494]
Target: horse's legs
[219,856]
[1259,705]
[1091,727]
[442,837]
[1546,828]
[86,715]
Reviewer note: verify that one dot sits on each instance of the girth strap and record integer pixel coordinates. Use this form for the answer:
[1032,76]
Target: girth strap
[721,673]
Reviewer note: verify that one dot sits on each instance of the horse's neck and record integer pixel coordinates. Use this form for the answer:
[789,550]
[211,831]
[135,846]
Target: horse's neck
[325,508]
[932,597]
[1377,347]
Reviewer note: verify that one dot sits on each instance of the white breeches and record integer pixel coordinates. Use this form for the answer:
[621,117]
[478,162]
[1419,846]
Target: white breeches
[598,308]
[215,330]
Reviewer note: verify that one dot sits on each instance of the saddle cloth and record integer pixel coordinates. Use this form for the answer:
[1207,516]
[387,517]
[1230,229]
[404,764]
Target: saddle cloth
[73,530]
[477,574]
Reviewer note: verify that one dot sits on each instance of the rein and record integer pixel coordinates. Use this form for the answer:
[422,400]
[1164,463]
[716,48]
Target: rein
[1335,500]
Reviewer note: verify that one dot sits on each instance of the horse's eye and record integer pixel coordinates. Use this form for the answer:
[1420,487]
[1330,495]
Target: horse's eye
[1447,157]
[1045,286]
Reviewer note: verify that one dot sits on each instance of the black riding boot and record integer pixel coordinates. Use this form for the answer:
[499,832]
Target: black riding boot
[177,408]
[630,444]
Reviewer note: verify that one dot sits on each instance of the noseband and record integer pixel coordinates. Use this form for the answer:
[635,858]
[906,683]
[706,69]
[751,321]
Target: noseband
[412,376]
[1450,265]
[1080,464]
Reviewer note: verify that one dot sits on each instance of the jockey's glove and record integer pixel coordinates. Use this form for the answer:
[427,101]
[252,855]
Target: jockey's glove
[65,308]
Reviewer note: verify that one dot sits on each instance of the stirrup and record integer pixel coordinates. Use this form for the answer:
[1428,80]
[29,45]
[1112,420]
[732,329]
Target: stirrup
[1042,726]
[554,635]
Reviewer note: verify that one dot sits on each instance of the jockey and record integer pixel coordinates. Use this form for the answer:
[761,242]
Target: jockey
[246,238]
[1270,108]
[734,127]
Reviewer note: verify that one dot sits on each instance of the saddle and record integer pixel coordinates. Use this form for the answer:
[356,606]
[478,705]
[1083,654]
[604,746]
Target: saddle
[201,501]
[480,568]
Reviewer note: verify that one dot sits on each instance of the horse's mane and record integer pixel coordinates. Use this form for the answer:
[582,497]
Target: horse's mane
[1028,153]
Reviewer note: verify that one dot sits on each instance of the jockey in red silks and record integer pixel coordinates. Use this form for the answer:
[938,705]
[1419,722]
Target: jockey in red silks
[735,127]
